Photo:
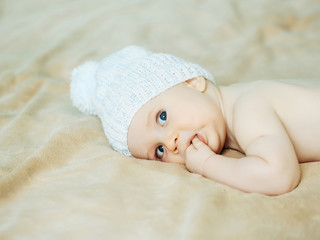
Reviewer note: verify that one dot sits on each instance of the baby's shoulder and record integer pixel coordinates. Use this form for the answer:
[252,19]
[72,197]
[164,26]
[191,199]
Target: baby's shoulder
[263,106]
[252,96]
[255,110]
[282,109]
[251,109]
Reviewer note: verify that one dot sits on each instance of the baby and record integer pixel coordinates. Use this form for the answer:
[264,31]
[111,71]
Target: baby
[159,107]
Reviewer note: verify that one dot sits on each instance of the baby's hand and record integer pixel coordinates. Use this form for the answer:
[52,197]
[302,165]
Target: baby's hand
[196,156]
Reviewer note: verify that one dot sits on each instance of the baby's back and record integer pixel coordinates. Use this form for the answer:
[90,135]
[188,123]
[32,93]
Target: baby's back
[297,104]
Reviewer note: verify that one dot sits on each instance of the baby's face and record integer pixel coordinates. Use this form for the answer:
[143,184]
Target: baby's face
[164,127]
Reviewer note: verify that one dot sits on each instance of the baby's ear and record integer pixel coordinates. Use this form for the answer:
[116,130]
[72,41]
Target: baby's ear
[199,83]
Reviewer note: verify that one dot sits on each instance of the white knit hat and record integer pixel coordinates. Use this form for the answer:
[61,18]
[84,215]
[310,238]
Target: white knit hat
[116,87]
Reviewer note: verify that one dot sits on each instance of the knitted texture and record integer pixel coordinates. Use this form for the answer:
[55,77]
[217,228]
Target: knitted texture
[118,86]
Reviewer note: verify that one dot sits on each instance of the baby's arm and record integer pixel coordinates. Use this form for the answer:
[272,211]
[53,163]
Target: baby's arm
[269,167]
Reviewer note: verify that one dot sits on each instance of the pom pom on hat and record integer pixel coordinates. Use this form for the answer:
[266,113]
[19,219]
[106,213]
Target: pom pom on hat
[83,87]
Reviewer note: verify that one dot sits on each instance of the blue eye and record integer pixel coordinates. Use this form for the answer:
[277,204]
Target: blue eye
[159,152]
[162,118]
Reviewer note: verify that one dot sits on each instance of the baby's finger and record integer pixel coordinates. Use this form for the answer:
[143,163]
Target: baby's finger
[191,148]
[197,143]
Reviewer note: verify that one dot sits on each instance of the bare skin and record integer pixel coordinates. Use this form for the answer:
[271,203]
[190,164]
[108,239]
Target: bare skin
[274,123]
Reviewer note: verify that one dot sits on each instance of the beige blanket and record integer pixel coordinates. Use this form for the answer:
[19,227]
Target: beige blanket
[59,177]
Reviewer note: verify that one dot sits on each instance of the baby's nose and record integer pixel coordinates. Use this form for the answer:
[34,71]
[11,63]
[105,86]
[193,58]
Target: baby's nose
[172,144]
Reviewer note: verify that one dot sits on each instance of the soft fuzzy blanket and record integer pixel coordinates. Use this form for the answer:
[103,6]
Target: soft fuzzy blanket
[59,177]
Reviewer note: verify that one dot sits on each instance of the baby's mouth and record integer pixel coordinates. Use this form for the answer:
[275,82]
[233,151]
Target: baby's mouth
[200,137]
